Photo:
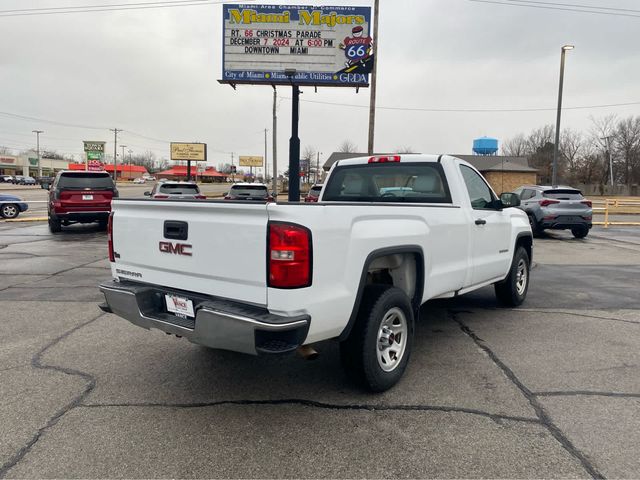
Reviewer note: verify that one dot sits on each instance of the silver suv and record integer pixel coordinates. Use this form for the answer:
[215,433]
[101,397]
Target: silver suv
[556,208]
[176,191]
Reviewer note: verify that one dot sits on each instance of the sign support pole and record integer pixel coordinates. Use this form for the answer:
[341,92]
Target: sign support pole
[188,170]
[294,148]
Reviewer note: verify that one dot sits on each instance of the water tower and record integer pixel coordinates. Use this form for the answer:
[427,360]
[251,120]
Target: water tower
[485,146]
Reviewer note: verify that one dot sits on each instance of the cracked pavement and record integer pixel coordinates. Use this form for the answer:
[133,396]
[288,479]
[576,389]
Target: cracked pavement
[548,390]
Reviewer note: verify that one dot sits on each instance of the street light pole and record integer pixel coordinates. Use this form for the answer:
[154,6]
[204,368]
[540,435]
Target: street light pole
[374,80]
[123,147]
[115,152]
[38,132]
[556,145]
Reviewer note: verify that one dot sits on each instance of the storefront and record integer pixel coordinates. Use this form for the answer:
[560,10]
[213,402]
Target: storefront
[9,165]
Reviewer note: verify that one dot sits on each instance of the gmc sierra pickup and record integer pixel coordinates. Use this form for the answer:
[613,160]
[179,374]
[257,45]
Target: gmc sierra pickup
[387,234]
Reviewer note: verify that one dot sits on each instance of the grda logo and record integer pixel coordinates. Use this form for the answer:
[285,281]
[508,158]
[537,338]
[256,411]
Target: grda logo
[176,248]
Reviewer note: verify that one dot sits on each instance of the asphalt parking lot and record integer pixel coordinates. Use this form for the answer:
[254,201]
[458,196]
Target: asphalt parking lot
[551,389]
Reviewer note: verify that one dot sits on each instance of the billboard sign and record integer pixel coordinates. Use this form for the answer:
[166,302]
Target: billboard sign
[93,146]
[251,161]
[194,152]
[95,166]
[281,44]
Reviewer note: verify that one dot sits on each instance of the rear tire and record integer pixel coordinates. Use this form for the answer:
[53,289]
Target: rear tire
[580,232]
[512,291]
[376,353]
[9,210]
[54,225]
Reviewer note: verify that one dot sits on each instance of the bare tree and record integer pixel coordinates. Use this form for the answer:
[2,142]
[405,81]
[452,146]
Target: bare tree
[571,146]
[404,150]
[5,151]
[628,147]
[347,147]
[516,146]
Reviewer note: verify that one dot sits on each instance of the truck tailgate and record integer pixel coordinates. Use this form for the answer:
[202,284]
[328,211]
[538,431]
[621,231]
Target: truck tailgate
[221,251]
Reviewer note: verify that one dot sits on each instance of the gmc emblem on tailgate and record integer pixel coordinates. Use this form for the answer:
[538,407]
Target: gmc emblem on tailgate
[176,248]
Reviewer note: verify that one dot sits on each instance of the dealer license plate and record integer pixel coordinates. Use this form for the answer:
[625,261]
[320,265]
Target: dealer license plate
[180,306]
[87,197]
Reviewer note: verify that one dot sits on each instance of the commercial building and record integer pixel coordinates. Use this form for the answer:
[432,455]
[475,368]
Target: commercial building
[27,164]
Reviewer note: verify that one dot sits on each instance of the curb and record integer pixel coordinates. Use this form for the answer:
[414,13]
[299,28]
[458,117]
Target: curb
[32,219]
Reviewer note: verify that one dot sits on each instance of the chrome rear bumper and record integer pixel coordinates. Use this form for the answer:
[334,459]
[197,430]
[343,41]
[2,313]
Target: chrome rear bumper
[219,323]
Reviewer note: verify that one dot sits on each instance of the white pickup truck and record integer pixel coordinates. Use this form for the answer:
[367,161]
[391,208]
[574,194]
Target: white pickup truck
[388,234]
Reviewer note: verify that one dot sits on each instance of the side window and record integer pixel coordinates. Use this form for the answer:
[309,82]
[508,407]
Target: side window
[479,192]
[527,194]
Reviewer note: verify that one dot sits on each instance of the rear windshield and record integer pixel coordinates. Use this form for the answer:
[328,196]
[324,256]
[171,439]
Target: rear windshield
[249,190]
[393,182]
[86,181]
[179,189]
[563,194]
[315,191]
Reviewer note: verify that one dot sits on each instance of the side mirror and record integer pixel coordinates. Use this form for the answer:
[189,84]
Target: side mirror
[147,194]
[510,200]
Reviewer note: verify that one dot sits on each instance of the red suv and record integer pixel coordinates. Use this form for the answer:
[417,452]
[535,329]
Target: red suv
[80,197]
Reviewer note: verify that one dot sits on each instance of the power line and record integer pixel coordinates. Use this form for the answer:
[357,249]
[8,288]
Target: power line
[470,110]
[110,8]
[592,7]
[550,7]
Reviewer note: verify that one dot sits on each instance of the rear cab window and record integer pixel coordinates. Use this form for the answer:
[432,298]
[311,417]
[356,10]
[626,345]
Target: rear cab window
[176,189]
[388,183]
[563,194]
[85,181]
[249,190]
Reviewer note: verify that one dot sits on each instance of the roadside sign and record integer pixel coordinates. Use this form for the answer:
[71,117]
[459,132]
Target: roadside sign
[281,44]
[194,152]
[90,146]
[251,161]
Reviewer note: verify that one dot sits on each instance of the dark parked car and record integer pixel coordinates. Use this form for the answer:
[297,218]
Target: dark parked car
[11,206]
[80,197]
[556,208]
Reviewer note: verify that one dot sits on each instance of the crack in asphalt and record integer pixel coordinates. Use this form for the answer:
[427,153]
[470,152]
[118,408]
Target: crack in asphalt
[36,362]
[541,413]
[574,314]
[498,418]
[586,393]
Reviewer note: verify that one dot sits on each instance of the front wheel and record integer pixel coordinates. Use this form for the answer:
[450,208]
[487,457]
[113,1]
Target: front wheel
[9,210]
[376,353]
[512,290]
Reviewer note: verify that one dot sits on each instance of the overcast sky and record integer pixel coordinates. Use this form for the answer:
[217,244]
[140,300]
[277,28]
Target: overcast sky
[155,72]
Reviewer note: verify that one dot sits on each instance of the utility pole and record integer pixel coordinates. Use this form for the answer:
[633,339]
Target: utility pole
[233,174]
[608,139]
[275,143]
[123,159]
[115,152]
[38,132]
[317,167]
[374,79]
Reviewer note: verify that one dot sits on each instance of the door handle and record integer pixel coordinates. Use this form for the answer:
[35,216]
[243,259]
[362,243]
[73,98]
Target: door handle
[481,222]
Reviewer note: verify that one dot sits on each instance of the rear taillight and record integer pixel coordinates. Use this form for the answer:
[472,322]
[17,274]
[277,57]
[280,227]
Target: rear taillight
[270,199]
[385,159]
[112,256]
[227,197]
[546,203]
[587,203]
[161,196]
[289,251]
[200,197]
